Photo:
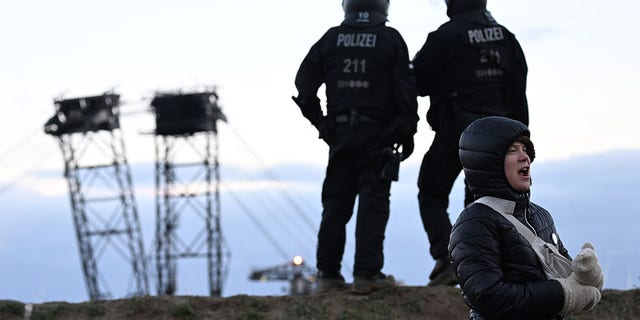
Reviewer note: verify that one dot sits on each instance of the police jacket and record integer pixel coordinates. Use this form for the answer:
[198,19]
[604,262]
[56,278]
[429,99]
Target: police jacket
[365,67]
[499,273]
[471,67]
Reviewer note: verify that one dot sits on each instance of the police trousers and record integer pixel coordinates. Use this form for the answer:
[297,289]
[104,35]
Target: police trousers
[439,169]
[354,170]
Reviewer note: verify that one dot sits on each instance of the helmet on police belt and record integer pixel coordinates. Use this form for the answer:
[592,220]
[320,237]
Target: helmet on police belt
[350,6]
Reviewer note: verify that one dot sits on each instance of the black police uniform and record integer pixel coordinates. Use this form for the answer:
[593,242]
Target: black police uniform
[371,104]
[471,67]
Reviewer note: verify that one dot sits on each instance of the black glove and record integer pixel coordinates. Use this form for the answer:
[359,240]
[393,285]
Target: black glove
[399,131]
[407,148]
[310,109]
[326,127]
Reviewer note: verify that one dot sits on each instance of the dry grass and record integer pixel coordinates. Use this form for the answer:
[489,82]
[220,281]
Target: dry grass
[394,303]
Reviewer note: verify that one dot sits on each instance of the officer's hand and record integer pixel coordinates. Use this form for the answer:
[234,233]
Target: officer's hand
[398,131]
[325,129]
[296,100]
[407,148]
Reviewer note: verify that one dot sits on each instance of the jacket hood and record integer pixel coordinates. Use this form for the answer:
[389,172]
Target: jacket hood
[456,7]
[483,146]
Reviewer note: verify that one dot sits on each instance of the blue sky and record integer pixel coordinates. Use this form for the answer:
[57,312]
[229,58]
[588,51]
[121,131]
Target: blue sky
[582,85]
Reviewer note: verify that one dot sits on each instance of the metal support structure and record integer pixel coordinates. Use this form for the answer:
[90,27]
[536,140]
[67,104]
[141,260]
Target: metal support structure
[101,192]
[188,187]
[103,208]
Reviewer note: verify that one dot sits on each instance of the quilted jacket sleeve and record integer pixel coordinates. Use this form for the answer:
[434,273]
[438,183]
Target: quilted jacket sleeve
[491,283]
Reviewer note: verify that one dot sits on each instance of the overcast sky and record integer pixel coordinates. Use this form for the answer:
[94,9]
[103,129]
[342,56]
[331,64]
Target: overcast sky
[581,55]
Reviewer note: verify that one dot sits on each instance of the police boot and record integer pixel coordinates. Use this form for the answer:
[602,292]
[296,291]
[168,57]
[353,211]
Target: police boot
[443,274]
[331,282]
[368,284]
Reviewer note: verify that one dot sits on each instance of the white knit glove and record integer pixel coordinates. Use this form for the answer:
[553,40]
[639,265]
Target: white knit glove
[577,297]
[586,267]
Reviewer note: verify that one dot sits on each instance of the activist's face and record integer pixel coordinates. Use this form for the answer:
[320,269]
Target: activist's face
[517,166]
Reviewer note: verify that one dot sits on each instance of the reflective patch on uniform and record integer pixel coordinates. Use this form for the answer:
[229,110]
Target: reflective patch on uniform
[356,40]
[489,73]
[353,84]
[554,237]
[485,35]
[363,17]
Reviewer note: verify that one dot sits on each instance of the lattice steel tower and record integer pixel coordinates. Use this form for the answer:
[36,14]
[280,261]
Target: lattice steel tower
[101,192]
[187,188]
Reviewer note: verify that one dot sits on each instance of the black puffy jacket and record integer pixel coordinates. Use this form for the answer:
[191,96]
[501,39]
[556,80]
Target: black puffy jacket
[499,272]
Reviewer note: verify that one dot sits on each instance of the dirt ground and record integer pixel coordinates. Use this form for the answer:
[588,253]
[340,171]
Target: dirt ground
[394,303]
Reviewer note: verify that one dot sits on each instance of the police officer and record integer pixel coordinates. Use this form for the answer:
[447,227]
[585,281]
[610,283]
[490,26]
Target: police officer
[371,110]
[470,67]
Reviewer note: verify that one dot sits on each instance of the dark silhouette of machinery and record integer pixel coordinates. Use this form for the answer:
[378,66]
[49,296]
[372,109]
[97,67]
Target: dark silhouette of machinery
[99,179]
[187,187]
[300,276]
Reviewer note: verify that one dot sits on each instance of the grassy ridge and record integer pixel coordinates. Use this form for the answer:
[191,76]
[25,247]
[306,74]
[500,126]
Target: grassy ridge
[394,303]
